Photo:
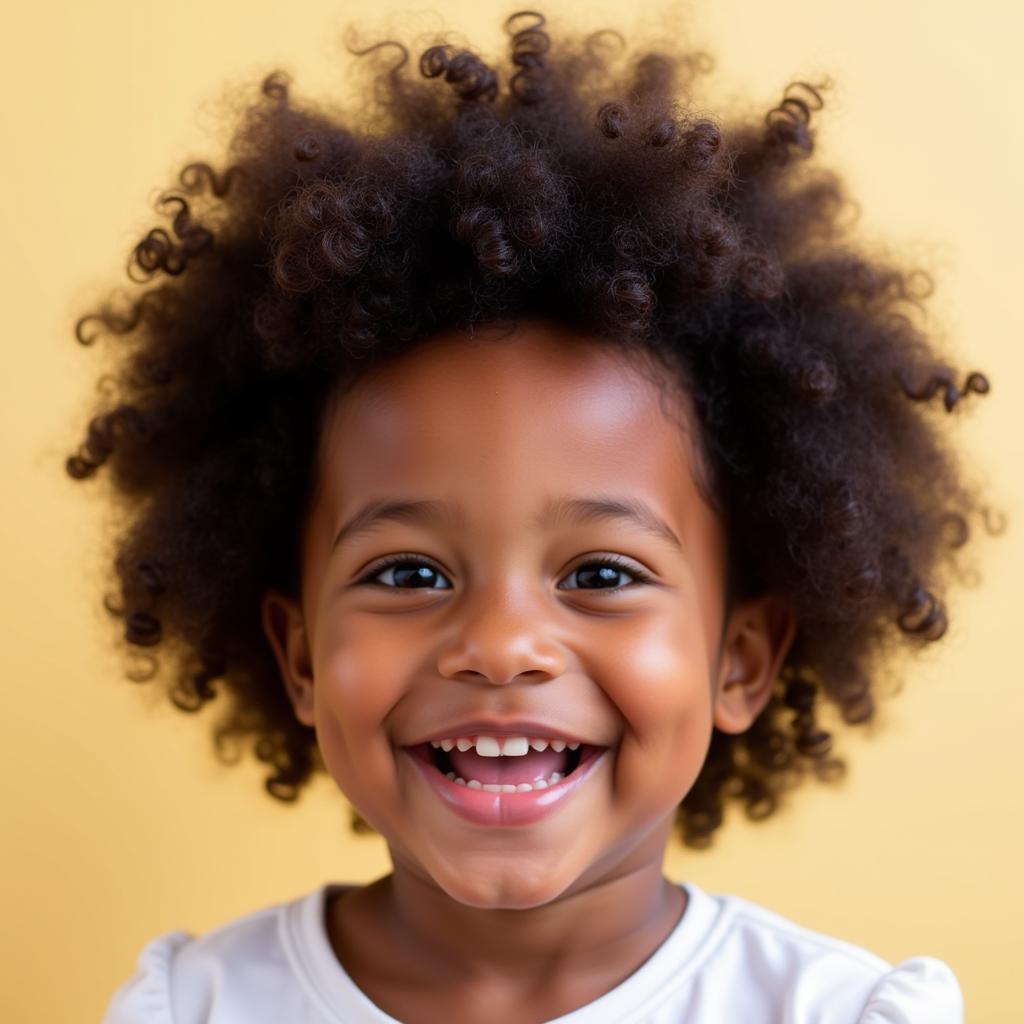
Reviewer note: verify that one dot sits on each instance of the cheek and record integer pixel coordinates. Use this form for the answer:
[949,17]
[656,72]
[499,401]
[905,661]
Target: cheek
[659,673]
[661,686]
[357,680]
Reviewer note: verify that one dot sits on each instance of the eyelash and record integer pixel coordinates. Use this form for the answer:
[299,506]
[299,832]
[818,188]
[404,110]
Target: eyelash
[610,560]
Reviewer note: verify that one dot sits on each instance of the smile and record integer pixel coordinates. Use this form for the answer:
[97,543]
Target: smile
[513,790]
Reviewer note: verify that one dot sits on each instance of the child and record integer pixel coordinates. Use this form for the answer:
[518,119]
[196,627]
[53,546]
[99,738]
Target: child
[532,456]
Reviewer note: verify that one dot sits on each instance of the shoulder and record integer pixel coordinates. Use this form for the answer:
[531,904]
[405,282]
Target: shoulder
[920,988]
[184,979]
[145,997]
[817,977]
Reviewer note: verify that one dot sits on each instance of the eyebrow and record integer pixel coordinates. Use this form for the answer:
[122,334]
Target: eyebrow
[557,512]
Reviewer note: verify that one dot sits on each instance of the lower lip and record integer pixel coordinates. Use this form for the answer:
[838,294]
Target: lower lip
[483,807]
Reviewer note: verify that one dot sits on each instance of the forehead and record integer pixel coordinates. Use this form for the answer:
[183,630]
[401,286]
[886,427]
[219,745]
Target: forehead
[503,422]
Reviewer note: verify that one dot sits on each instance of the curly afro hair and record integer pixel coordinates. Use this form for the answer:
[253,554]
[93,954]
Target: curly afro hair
[582,184]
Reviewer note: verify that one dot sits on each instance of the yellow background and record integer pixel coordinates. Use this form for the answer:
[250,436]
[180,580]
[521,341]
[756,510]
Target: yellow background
[119,823]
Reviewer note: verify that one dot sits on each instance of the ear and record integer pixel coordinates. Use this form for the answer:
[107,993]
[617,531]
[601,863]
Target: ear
[757,638]
[284,628]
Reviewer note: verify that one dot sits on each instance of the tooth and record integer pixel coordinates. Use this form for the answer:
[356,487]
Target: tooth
[539,784]
[435,743]
[487,746]
[515,746]
[450,775]
[491,787]
[473,784]
[574,746]
[539,744]
[461,781]
[555,776]
[558,746]
[447,745]
[464,743]
[524,787]
[507,787]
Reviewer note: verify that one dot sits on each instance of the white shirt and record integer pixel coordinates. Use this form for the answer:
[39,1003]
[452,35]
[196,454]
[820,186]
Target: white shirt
[727,961]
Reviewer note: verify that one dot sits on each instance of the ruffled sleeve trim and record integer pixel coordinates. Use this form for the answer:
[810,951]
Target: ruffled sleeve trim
[921,988]
[146,997]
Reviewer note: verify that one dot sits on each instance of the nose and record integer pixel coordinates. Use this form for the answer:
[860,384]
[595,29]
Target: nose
[499,639]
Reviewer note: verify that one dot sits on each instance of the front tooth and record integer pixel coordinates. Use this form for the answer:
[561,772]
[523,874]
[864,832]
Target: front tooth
[464,743]
[515,746]
[539,745]
[487,746]
[558,746]
[447,745]
[435,743]
[574,746]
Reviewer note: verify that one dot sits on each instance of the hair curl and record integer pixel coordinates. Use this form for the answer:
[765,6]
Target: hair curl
[591,191]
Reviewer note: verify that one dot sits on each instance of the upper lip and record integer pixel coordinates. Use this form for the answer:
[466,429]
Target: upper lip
[485,727]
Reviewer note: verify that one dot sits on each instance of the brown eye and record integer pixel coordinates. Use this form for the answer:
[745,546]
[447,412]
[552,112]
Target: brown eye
[407,572]
[603,574]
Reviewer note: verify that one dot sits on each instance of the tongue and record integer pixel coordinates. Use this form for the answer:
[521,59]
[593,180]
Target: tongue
[533,765]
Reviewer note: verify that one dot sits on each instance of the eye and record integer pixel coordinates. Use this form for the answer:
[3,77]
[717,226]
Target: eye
[409,572]
[602,572]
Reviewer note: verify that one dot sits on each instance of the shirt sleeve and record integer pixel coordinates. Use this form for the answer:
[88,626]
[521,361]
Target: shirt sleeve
[921,990]
[145,998]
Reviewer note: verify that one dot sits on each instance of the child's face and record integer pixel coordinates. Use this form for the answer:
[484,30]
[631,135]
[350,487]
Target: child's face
[505,626]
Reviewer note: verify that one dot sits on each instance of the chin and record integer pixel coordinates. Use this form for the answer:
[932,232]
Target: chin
[501,882]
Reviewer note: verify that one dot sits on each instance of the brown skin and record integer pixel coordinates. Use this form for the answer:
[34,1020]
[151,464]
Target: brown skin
[523,923]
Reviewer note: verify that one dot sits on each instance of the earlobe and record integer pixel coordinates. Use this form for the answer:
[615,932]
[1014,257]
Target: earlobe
[759,634]
[285,631]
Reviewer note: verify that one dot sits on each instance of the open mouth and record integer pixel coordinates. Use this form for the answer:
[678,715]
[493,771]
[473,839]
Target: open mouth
[505,774]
